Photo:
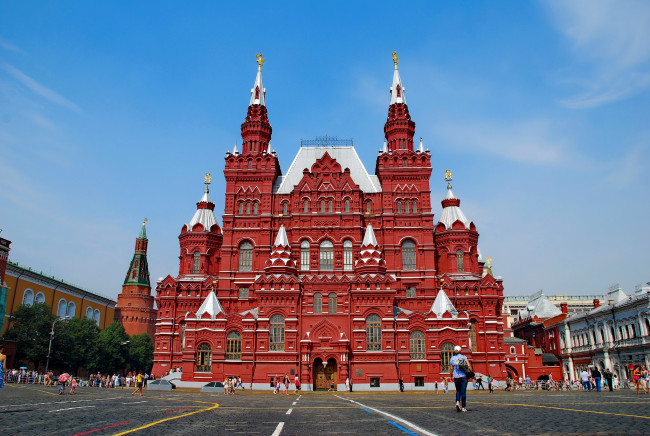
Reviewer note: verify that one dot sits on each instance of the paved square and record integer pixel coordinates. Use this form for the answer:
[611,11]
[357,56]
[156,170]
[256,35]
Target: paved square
[36,410]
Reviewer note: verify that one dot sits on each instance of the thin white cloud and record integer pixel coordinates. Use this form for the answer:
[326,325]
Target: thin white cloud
[10,47]
[39,89]
[532,142]
[611,37]
[630,167]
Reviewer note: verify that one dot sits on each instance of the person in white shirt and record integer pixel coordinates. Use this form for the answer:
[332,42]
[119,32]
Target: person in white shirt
[584,377]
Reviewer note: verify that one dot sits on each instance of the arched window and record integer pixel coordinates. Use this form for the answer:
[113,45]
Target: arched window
[276,333]
[304,256]
[204,358]
[326,256]
[417,345]
[241,208]
[373,333]
[246,256]
[331,304]
[285,208]
[233,346]
[330,206]
[347,205]
[399,206]
[89,313]
[318,303]
[472,336]
[197,262]
[250,162]
[460,266]
[62,308]
[97,316]
[40,298]
[368,206]
[72,310]
[248,208]
[446,352]
[322,205]
[305,206]
[404,162]
[255,208]
[415,207]
[182,344]
[28,297]
[408,256]
[406,206]
[347,255]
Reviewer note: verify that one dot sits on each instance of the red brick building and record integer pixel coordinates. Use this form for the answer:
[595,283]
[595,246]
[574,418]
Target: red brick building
[135,303]
[327,271]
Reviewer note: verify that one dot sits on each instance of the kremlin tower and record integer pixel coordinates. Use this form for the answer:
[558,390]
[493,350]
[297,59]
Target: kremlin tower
[135,304]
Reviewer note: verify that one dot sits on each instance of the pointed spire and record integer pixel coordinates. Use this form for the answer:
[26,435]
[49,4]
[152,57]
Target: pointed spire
[234,150]
[369,237]
[281,239]
[280,261]
[258,92]
[210,305]
[421,149]
[143,230]
[269,150]
[370,259]
[443,304]
[204,214]
[138,273]
[451,211]
[397,90]
[385,149]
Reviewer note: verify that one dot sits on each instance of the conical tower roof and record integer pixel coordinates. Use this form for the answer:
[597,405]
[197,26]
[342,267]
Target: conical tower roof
[210,305]
[370,260]
[280,261]
[138,273]
[204,214]
[451,211]
[443,304]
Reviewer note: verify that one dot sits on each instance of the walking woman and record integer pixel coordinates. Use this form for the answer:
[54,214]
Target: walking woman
[139,382]
[636,376]
[460,378]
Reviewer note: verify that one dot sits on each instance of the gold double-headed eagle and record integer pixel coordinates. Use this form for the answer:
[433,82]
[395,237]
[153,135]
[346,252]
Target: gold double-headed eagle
[395,58]
[208,179]
[260,60]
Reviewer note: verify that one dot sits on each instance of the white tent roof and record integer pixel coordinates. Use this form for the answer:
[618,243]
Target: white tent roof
[210,306]
[443,304]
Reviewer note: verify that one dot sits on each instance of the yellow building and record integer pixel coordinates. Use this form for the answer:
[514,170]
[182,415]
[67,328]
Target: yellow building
[26,286]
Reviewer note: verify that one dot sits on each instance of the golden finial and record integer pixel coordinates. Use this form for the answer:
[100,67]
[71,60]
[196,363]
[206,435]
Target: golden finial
[489,265]
[260,61]
[442,281]
[145,221]
[448,178]
[395,58]
[208,179]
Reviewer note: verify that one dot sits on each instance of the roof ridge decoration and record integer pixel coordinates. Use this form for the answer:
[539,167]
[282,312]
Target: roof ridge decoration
[258,92]
[397,90]
[210,305]
[443,304]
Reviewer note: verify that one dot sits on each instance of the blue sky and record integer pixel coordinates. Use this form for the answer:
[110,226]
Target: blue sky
[113,111]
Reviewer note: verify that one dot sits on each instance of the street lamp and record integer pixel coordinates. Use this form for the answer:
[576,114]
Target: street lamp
[49,349]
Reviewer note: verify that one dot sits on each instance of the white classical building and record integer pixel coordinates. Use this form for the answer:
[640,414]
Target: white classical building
[612,335]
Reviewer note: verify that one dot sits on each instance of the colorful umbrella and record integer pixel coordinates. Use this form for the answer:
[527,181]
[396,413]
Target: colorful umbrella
[64,377]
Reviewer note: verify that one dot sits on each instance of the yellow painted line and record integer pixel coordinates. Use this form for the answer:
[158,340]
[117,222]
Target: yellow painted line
[563,408]
[133,430]
[182,400]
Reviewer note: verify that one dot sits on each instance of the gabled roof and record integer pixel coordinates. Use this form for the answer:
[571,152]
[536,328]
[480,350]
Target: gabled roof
[541,307]
[346,156]
[210,305]
[443,304]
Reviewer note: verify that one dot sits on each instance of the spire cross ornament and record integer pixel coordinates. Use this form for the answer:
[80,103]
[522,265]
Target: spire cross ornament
[260,61]
[448,178]
[395,58]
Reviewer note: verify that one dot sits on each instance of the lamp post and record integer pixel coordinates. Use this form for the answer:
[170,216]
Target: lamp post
[49,349]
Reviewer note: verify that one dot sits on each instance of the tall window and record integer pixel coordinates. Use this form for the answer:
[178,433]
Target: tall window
[406,206]
[322,205]
[347,255]
[331,304]
[72,310]
[408,256]
[347,205]
[306,206]
[304,256]
[241,208]
[248,208]
[368,207]
[246,256]
[373,333]
[326,256]
[276,334]
[97,316]
[417,345]
[318,303]
[285,208]
[40,298]
[62,308]
[204,358]
[28,297]
[197,262]
[89,313]
[233,346]
[460,266]
[330,206]
[472,336]
[446,352]
[410,292]
[255,208]
[243,293]
[415,207]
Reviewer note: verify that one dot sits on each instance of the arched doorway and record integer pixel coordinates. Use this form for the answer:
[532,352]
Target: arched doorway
[512,372]
[324,373]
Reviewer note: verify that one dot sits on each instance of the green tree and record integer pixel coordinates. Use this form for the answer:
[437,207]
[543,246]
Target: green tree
[75,345]
[30,327]
[140,353]
[111,350]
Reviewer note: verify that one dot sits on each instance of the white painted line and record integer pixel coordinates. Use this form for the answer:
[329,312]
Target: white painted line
[71,408]
[278,429]
[396,418]
[135,402]
[57,402]
[289,411]
[293,404]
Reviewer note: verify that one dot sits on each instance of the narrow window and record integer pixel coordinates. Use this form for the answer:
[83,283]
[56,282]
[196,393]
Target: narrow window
[197,262]
[347,255]
[459,261]
[254,208]
[318,303]
[246,256]
[322,205]
[285,208]
[347,205]
[62,308]
[472,336]
[204,358]
[373,333]
[276,334]
[415,207]
[306,206]
[326,256]
[417,345]
[399,207]
[410,292]
[89,313]
[40,298]
[445,355]
[404,161]
[331,205]
[406,206]
[304,256]
[28,297]
[331,304]
[368,207]
[408,256]
[248,208]
[250,163]
[72,310]
[241,208]
[233,346]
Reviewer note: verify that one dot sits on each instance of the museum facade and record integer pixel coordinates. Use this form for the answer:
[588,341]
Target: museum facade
[328,272]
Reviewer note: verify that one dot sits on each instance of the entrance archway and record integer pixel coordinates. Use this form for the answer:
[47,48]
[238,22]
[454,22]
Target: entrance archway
[324,373]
